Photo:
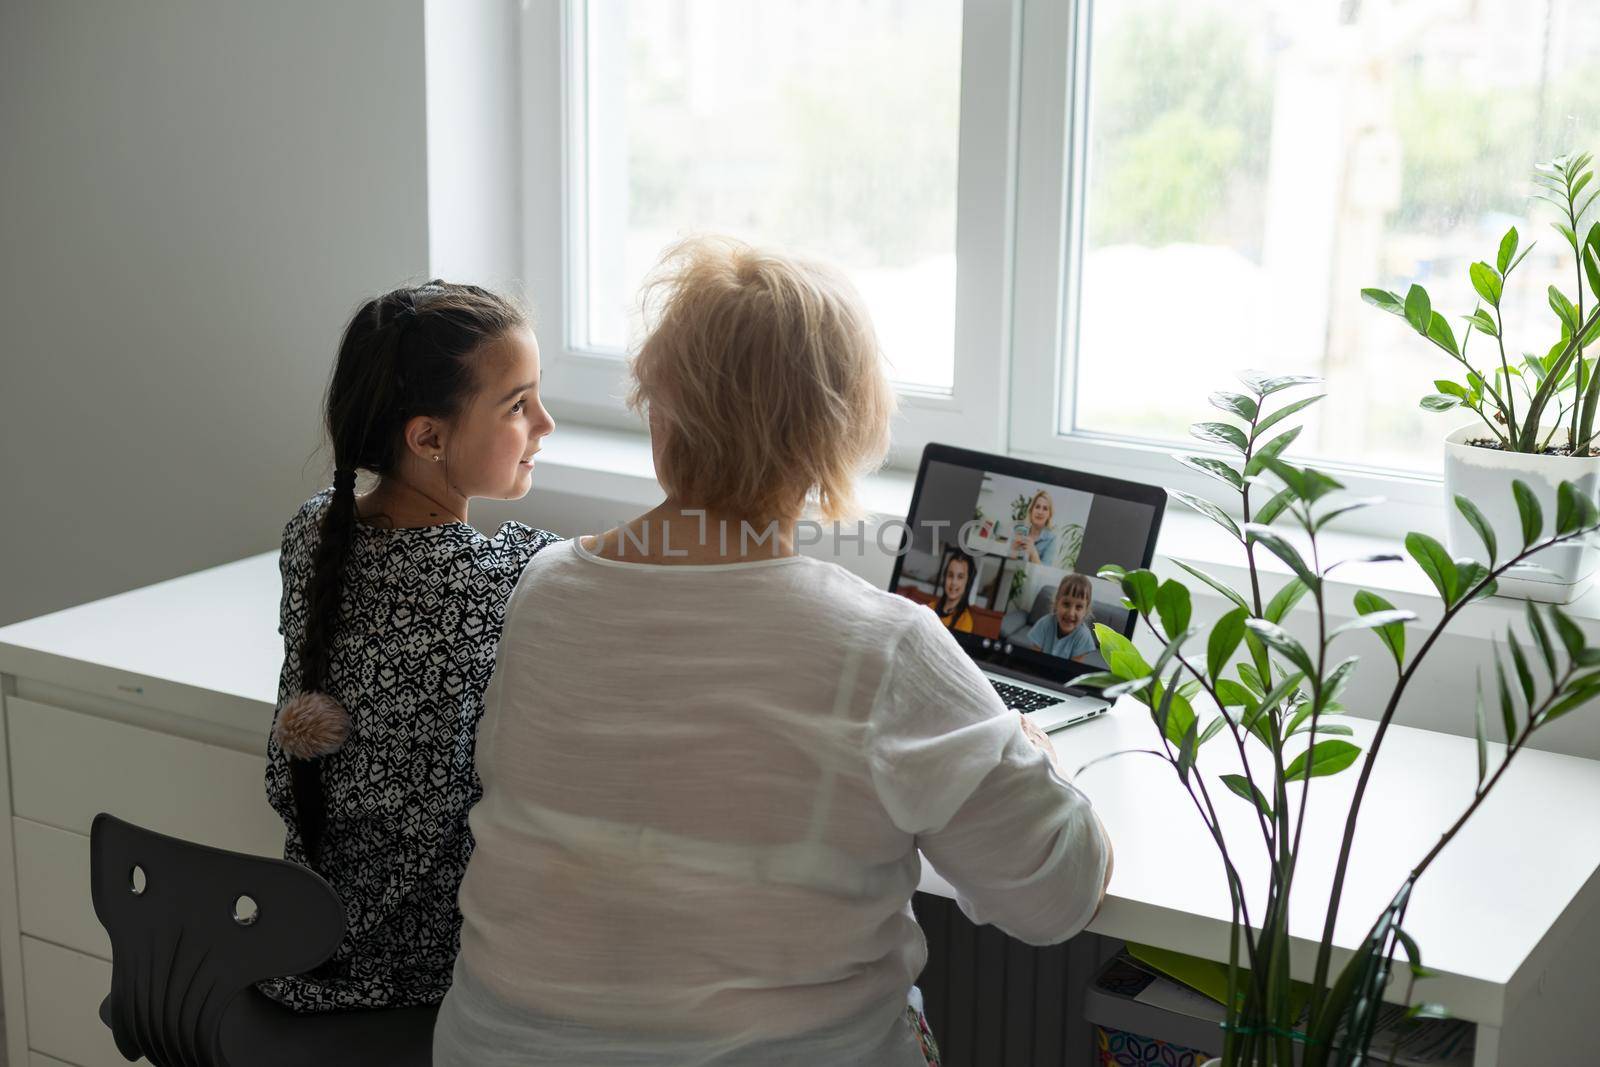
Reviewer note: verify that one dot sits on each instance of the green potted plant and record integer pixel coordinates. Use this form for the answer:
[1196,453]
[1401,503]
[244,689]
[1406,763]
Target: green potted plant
[1274,700]
[1534,414]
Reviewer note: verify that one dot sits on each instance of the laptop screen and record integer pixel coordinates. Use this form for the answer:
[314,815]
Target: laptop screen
[1007,553]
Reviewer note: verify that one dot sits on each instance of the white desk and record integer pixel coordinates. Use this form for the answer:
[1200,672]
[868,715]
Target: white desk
[155,704]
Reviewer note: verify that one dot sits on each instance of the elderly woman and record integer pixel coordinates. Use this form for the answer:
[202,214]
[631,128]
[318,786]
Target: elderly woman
[709,763]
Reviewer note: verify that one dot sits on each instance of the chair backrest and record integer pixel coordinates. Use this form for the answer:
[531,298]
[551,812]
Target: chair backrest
[191,927]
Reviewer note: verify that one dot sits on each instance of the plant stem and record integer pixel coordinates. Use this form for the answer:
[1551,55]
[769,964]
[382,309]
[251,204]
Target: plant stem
[1325,949]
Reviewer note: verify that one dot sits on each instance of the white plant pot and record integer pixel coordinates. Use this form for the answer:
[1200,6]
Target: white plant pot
[1484,476]
[1213,1063]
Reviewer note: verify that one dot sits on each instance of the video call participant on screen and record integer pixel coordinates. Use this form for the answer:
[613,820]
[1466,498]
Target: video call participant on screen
[955,593]
[1038,543]
[1067,632]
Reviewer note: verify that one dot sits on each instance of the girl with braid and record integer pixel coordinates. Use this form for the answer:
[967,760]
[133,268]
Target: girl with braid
[392,607]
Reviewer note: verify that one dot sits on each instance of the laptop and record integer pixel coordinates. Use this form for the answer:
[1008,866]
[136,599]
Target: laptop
[1007,552]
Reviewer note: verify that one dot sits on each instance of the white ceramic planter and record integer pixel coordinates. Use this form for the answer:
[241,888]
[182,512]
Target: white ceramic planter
[1484,476]
[1212,1063]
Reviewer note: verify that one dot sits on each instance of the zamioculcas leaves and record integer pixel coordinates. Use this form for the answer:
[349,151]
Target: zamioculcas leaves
[1284,412]
[1173,605]
[1263,385]
[1487,282]
[1393,632]
[1541,640]
[1382,298]
[1419,309]
[1323,757]
[1479,523]
[1279,639]
[1508,708]
[1223,433]
[1210,511]
[1214,583]
[1275,507]
[1215,468]
[1224,641]
[1285,599]
[1528,509]
[1435,563]
[1508,248]
[1279,546]
[1483,742]
[1520,661]
[1235,404]
[1245,788]
[1140,588]
[1570,633]
[1271,450]
[1574,509]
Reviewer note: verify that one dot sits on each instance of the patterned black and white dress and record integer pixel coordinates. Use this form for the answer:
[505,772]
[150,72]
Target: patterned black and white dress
[420,617]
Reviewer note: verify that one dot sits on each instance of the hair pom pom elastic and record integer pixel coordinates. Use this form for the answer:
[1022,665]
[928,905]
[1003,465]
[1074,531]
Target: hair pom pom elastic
[312,725]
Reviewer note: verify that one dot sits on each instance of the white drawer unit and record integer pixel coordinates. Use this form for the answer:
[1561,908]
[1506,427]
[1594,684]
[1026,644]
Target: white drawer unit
[53,888]
[67,766]
[65,989]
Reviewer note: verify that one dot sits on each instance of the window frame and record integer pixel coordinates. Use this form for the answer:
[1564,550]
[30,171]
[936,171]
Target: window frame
[1023,137]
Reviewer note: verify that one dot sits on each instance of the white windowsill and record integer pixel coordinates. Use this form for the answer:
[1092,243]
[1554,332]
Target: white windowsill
[615,466]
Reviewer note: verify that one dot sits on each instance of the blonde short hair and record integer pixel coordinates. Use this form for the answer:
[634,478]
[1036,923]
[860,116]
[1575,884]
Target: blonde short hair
[764,378]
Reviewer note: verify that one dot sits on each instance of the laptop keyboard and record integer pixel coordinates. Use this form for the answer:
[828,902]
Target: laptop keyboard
[1019,699]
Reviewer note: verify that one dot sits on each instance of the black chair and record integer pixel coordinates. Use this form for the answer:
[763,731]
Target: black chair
[193,928]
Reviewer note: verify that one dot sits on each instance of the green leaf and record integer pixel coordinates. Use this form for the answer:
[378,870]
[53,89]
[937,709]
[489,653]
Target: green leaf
[1322,758]
[1252,677]
[1477,520]
[1528,509]
[1413,953]
[1188,746]
[1344,509]
[1508,248]
[1224,641]
[1121,657]
[1541,640]
[1210,511]
[1435,563]
[1284,412]
[1439,333]
[1591,267]
[1418,309]
[1235,404]
[1285,599]
[1392,633]
[1213,728]
[1382,298]
[1122,689]
[1174,607]
[1327,729]
[1279,638]
[1264,386]
[1483,742]
[1338,678]
[1271,450]
[1428,1011]
[1215,468]
[1438,402]
[1244,787]
[1223,433]
[1275,507]
[1139,586]
[1215,583]
[1568,703]
[1564,309]
[1574,509]
[1508,708]
[1231,694]
[1519,660]
[1487,282]
[1484,322]
[1279,546]
[1571,633]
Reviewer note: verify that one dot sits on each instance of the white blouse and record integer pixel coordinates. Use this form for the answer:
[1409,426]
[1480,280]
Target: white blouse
[705,789]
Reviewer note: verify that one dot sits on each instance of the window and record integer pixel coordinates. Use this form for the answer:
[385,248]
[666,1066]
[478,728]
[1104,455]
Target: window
[1250,165]
[824,127]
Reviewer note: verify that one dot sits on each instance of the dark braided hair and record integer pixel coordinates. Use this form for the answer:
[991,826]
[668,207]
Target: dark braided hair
[406,353]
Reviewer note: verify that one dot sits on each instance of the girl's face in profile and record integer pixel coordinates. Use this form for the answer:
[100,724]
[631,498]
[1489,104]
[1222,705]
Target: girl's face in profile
[1039,513]
[491,453]
[955,580]
[1070,612]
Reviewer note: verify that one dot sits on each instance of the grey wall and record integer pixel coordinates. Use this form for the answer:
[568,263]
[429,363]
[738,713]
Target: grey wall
[193,197]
